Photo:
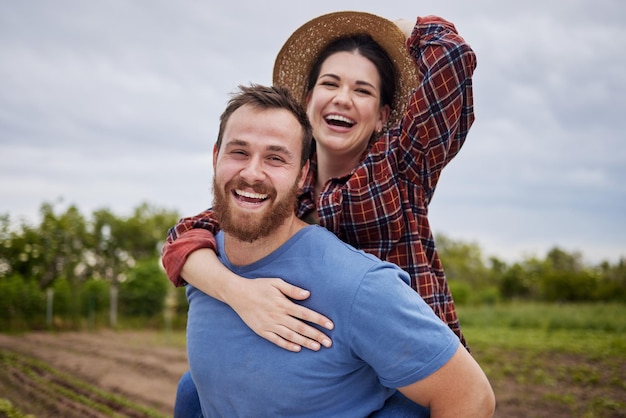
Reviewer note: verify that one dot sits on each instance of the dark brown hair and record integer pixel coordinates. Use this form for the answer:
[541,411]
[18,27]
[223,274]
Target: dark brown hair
[367,47]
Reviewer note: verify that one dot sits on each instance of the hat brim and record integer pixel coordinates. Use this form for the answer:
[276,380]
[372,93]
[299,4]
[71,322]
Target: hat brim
[295,59]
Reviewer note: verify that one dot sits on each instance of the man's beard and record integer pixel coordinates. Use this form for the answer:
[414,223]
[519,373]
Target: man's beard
[249,227]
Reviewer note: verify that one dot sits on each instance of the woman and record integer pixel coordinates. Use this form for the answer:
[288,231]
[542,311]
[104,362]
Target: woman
[385,124]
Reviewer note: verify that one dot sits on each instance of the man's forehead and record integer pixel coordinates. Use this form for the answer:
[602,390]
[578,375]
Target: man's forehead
[274,129]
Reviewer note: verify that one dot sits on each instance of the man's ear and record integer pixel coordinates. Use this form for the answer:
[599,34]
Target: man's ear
[303,173]
[215,152]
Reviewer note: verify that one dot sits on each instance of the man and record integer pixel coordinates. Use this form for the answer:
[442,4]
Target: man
[260,162]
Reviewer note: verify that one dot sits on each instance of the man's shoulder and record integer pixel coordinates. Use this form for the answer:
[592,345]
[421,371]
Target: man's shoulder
[322,241]
[314,234]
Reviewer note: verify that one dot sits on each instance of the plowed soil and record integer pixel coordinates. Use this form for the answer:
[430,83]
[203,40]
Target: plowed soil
[91,374]
[134,374]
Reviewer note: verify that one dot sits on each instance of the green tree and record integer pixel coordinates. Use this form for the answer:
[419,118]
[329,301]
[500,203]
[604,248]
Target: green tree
[565,278]
[144,291]
[119,244]
[144,232]
[564,286]
[20,250]
[514,283]
[612,281]
[63,238]
[462,261]
[469,279]
[559,260]
[78,258]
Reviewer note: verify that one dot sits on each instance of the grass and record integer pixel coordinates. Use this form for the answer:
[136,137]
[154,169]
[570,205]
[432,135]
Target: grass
[9,411]
[609,317]
[552,360]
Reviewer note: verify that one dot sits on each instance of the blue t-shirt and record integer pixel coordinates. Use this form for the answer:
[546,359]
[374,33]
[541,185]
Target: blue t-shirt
[385,337]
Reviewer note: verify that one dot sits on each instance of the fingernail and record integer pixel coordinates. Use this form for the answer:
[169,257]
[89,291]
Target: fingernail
[326,343]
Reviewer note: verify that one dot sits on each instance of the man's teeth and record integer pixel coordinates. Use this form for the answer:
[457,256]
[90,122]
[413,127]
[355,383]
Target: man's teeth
[251,195]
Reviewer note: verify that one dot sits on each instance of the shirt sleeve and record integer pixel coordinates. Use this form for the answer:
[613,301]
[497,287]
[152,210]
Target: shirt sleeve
[187,236]
[395,331]
[440,111]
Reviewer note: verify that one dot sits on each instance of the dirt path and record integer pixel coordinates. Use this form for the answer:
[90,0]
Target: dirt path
[133,365]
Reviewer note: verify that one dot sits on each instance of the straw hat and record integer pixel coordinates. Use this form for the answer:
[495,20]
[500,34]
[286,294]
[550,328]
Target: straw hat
[296,57]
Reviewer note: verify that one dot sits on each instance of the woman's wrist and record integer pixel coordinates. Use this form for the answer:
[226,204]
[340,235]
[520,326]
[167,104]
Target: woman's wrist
[406,27]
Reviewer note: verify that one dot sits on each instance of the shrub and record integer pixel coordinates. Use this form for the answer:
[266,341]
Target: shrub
[460,292]
[22,304]
[144,291]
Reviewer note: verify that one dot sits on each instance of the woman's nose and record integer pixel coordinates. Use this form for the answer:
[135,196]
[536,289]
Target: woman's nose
[342,96]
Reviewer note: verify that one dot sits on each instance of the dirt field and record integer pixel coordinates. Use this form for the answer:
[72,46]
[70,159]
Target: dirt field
[96,374]
[133,365]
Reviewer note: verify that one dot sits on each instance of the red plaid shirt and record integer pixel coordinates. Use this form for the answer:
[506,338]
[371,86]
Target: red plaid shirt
[382,206]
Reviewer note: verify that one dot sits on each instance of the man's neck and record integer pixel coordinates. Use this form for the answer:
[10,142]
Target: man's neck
[241,253]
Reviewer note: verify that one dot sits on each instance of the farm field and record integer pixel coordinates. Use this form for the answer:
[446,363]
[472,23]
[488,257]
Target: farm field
[101,374]
[540,365]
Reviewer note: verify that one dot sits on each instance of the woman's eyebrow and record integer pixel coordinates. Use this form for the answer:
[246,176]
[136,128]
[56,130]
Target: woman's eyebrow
[358,82]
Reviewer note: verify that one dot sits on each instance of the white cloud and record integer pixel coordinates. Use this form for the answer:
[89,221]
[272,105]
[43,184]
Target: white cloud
[110,104]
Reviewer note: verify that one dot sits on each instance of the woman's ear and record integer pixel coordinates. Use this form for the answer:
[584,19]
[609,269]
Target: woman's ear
[385,111]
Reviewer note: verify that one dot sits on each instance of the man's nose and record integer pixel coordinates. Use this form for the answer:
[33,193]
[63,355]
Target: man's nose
[253,171]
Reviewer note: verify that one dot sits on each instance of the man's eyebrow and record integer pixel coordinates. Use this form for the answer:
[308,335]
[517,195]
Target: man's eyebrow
[273,148]
[237,143]
[280,148]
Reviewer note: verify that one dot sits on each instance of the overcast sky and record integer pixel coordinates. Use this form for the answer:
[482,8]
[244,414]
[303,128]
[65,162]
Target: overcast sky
[108,104]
